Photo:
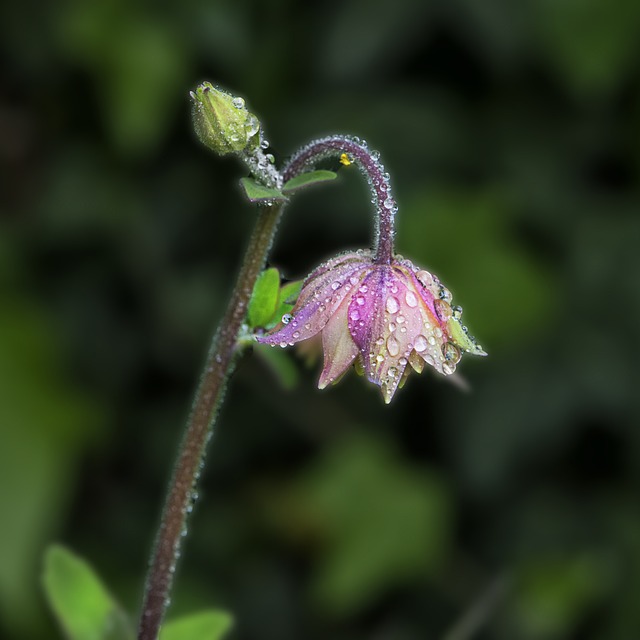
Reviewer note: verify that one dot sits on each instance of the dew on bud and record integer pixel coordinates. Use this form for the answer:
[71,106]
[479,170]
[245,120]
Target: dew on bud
[411,299]
[392,305]
[420,344]
[393,346]
[287,318]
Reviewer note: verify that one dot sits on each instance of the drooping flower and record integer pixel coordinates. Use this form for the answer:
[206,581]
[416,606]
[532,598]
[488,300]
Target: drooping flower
[387,318]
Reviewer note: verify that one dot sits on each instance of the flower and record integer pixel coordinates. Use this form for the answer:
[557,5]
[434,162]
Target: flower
[385,318]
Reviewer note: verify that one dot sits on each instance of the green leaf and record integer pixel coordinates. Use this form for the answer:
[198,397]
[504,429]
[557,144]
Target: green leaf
[264,299]
[81,603]
[205,625]
[289,292]
[307,179]
[257,192]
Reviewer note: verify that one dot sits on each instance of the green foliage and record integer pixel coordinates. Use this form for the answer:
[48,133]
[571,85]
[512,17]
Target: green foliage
[82,605]
[205,625]
[86,611]
[383,523]
[307,179]
[258,193]
[264,299]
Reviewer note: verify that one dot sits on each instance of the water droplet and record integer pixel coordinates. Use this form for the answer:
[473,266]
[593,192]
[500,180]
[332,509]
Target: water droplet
[353,280]
[447,369]
[401,319]
[270,158]
[420,344]
[307,326]
[392,326]
[283,345]
[296,335]
[411,299]
[379,358]
[393,346]
[336,285]
[287,318]
[445,294]
[363,288]
[389,203]
[354,314]
[264,144]
[252,126]
[431,340]
[443,310]
[425,278]
[456,312]
[392,305]
[238,103]
[403,362]
[393,372]
[438,332]
[451,353]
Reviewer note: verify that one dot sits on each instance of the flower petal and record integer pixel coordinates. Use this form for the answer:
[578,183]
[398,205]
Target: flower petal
[339,348]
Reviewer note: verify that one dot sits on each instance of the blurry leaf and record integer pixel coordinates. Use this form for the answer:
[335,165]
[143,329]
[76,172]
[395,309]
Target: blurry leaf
[592,43]
[259,193]
[383,522]
[138,63]
[554,594]
[264,299]
[205,625]
[307,179]
[280,363]
[44,421]
[468,242]
[82,605]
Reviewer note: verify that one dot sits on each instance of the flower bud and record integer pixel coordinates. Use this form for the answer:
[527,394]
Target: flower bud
[222,121]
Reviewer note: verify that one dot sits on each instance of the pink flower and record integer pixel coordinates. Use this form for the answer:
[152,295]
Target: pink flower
[385,318]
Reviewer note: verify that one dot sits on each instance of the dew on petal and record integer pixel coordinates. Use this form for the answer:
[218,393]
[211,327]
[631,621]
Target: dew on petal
[432,340]
[443,310]
[392,305]
[392,326]
[363,288]
[425,278]
[411,299]
[287,318]
[296,335]
[451,353]
[336,285]
[393,372]
[393,346]
[360,300]
[379,358]
[354,314]
[445,294]
[456,312]
[420,344]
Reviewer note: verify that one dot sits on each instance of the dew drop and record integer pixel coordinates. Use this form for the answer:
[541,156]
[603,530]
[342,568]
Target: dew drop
[238,103]
[420,344]
[363,288]
[252,125]
[392,326]
[353,280]
[456,312]
[451,353]
[379,358]
[392,305]
[389,203]
[425,278]
[393,347]
[432,340]
[443,310]
[336,285]
[411,299]
[393,372]
[283,345]
[403,362]
[401,319]
[354,314]
[447,369]
[360,300]
[380,342]
[296,335]
[445,294]
[286,318]
[264,144]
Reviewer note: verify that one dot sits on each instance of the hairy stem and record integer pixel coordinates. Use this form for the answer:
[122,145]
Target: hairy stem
[200,424]
[357,152]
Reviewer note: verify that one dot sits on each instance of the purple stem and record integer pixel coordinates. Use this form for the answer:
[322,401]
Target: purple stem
[357,152]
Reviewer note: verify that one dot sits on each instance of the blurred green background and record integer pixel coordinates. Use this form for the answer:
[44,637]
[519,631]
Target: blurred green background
[512,132]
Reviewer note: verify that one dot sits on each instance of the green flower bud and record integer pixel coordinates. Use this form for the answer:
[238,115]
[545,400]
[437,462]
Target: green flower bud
[222,121]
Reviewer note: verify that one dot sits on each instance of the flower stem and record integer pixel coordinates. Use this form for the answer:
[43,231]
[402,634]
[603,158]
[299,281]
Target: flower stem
[355,151]
[218,368]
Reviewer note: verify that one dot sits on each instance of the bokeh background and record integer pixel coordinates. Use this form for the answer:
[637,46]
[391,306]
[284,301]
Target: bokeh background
[512,131]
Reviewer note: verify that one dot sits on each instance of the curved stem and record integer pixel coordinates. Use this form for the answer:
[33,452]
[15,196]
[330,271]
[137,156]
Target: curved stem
[357,152]
[218,367]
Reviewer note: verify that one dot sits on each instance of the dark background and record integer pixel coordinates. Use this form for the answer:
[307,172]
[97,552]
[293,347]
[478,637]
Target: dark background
[512,134]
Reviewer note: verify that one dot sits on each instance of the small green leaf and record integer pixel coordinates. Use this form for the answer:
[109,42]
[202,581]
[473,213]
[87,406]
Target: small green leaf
[307,179]
[205,625]
[264,299]
[280,364]
[79,600]
[257,192]
[289,292]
